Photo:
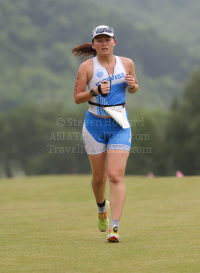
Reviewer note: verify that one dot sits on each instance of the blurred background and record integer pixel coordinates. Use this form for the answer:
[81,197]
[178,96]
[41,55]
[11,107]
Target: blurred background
[40,125]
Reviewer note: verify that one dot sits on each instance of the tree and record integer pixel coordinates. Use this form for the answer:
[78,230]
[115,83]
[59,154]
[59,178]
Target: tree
[183,130]
[34,137]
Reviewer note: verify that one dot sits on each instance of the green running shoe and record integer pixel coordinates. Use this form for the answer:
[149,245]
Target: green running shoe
[113,235]
[103,221]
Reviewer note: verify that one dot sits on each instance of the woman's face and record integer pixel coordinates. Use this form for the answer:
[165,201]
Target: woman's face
[104,44]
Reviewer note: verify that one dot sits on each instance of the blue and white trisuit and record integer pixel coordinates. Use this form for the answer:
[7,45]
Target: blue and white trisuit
[102,134]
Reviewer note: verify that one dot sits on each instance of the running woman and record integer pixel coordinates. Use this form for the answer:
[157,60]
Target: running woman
[106,142]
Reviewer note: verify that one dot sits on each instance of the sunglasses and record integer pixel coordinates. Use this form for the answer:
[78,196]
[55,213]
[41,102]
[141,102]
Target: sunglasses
[105,29]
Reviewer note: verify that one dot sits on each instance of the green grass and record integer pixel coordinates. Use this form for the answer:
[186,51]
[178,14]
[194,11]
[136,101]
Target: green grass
[49,224]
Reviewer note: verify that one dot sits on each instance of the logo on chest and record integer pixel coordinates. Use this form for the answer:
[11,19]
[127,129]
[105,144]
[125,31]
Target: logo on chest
[99,73]
[114,78]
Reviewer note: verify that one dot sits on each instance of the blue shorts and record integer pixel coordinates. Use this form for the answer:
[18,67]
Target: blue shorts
[102,134]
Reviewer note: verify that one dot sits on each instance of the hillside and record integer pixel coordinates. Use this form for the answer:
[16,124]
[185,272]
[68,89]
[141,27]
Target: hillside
[177,20]
[37,67]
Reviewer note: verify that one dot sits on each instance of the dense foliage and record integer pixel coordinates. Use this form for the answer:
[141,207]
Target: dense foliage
[36,64]
[175,19]
[48,140]
[36,90]
[183,129]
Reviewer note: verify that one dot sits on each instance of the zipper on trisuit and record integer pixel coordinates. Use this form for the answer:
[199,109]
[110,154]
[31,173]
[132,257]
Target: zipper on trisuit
[110,78]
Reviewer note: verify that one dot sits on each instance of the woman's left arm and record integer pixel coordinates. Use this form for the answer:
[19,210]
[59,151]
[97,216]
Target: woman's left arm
[131,78]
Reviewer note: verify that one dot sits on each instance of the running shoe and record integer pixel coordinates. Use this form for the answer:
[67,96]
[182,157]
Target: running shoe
[103,221]
[113,235]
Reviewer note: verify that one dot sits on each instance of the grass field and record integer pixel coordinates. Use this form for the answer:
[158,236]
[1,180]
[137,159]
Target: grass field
[49,224]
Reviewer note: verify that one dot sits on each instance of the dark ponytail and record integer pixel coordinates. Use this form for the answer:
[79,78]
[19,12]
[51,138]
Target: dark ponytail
[84,51]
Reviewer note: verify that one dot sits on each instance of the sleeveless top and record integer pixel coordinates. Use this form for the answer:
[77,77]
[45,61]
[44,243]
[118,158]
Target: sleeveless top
[118,86]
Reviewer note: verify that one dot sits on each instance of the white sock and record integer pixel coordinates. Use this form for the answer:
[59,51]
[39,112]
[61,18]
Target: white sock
[115,223]
[102,207]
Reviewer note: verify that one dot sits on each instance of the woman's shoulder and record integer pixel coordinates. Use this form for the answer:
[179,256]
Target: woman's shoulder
[86,69]
[87,64]
[128,61]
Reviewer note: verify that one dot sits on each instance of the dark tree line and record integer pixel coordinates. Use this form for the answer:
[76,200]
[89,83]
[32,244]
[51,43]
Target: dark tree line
[47,140]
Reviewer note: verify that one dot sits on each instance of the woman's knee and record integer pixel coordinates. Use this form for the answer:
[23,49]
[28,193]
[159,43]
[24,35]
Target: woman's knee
[115,176]
[99,178]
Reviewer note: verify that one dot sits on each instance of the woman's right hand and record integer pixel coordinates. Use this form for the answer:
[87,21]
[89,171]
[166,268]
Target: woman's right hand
[105,87]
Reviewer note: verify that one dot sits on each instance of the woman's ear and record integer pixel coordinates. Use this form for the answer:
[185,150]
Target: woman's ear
[92,44]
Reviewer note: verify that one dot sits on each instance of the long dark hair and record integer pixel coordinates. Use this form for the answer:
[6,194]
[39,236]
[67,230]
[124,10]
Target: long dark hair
[84,51]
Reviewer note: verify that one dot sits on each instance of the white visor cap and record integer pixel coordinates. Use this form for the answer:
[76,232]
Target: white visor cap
[102,29]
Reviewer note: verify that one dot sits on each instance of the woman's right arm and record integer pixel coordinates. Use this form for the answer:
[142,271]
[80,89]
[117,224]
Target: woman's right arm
[80,95]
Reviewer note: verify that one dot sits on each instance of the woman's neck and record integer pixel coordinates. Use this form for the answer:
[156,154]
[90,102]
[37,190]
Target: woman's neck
[106,60]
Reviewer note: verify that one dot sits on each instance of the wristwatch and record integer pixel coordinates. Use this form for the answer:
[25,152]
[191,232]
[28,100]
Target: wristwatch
[93,93]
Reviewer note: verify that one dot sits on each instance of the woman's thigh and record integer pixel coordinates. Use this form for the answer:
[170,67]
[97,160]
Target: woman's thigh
[116,160]
[98,164]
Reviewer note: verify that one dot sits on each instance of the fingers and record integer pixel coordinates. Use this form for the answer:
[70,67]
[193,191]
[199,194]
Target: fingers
[104,81]
[105,87]
[130,80]
[129,77]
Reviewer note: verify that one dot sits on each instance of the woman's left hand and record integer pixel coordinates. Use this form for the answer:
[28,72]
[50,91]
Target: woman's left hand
[130,80]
